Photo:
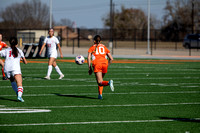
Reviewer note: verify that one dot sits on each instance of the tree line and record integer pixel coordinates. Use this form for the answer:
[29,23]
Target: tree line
[180,16]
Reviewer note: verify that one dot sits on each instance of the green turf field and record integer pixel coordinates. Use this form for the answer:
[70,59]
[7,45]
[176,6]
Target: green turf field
[150,96]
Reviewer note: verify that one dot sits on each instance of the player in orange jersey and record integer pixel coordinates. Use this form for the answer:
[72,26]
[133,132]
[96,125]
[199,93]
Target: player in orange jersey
[2,45]
[99,53]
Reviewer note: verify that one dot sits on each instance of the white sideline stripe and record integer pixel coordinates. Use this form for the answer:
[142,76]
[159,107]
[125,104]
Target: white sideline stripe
[16,110]
[117,84]
[85,123]
[130,93]
[51,86]
[118,73]
[82,123]
[125,105]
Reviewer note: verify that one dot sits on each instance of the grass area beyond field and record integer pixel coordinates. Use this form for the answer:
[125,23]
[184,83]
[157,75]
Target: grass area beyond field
[150,96]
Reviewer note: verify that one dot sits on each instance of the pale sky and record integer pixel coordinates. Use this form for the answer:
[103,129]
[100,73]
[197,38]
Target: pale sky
[89,13]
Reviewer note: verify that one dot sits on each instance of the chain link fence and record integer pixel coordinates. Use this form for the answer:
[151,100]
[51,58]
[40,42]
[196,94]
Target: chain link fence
[135,39]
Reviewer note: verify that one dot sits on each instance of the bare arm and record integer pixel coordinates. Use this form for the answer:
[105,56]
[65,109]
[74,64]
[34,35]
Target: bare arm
[1,63]
[110,59]
[24,60]
[89,64]
[42,48]
[59,48]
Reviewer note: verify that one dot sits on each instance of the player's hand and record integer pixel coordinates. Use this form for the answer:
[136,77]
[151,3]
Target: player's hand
[61,56]
[90,71]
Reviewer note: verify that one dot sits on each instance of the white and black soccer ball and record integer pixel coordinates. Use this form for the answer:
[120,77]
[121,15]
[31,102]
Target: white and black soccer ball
[79,60]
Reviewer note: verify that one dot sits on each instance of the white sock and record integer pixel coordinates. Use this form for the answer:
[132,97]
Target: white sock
[14,86]
[49,70]
[58,70]
[20,91]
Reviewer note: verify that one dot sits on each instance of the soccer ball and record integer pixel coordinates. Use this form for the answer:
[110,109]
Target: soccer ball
[79,60]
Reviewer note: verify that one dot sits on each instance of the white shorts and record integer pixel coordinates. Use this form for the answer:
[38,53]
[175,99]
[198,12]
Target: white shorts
[53,54]
[12,73]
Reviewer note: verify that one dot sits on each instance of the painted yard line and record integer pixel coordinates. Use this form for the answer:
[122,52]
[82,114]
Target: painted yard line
[100,106]
[14,110]
[117,67]
[146,77]
[130,93]
[116,84]
[117,70]
[81,79]
[82,123]
[122,73]
[112,67]
[51,86]
[92,122]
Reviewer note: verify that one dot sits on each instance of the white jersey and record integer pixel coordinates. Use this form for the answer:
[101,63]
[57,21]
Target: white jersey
[11,63]
[51,43]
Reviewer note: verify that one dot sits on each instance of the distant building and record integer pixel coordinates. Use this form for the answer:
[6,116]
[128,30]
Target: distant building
[65,32]
[32,36]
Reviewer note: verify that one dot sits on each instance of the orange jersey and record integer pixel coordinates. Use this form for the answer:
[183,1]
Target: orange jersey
[2,45]
[99,54]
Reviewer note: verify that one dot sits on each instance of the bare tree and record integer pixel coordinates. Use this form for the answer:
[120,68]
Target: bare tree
[126,21]
[178,17]
[65,22]
[29,14]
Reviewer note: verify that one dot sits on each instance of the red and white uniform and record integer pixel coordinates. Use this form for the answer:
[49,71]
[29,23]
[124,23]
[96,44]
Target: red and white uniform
[51,43]
[99,57]
[12,65]
[2,45]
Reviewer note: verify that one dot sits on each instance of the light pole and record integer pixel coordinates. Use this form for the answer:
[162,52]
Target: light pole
[111,25]
[50,13]
[148,29]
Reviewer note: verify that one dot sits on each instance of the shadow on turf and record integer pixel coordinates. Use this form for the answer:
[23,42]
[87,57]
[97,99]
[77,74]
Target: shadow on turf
[2,98]
[75,96]
[181,119]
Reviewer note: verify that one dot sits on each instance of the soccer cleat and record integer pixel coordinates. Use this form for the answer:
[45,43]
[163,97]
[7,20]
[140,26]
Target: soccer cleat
[47,77]
[4,78]
[61,76]
[100,97]
[20,99]
[111,85]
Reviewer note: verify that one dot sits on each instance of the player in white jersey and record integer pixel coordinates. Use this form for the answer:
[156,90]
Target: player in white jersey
[12,69]
[52,42]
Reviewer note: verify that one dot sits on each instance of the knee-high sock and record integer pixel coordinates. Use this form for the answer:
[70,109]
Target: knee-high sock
[20,91]
[14,86]
[49,70]
[58,70]
[104,83]
[100,88]
[3,72]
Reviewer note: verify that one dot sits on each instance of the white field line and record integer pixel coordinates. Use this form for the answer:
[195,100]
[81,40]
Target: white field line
[115,67]
[14,110]
[115,83]
[86,123]
[191,85]
[50,86]
[86,79]
[129,93]
[82,123]
[100,106]
[146,76]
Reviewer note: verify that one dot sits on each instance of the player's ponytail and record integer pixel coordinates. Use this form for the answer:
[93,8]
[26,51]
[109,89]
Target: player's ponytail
[97,40]
[13,42]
